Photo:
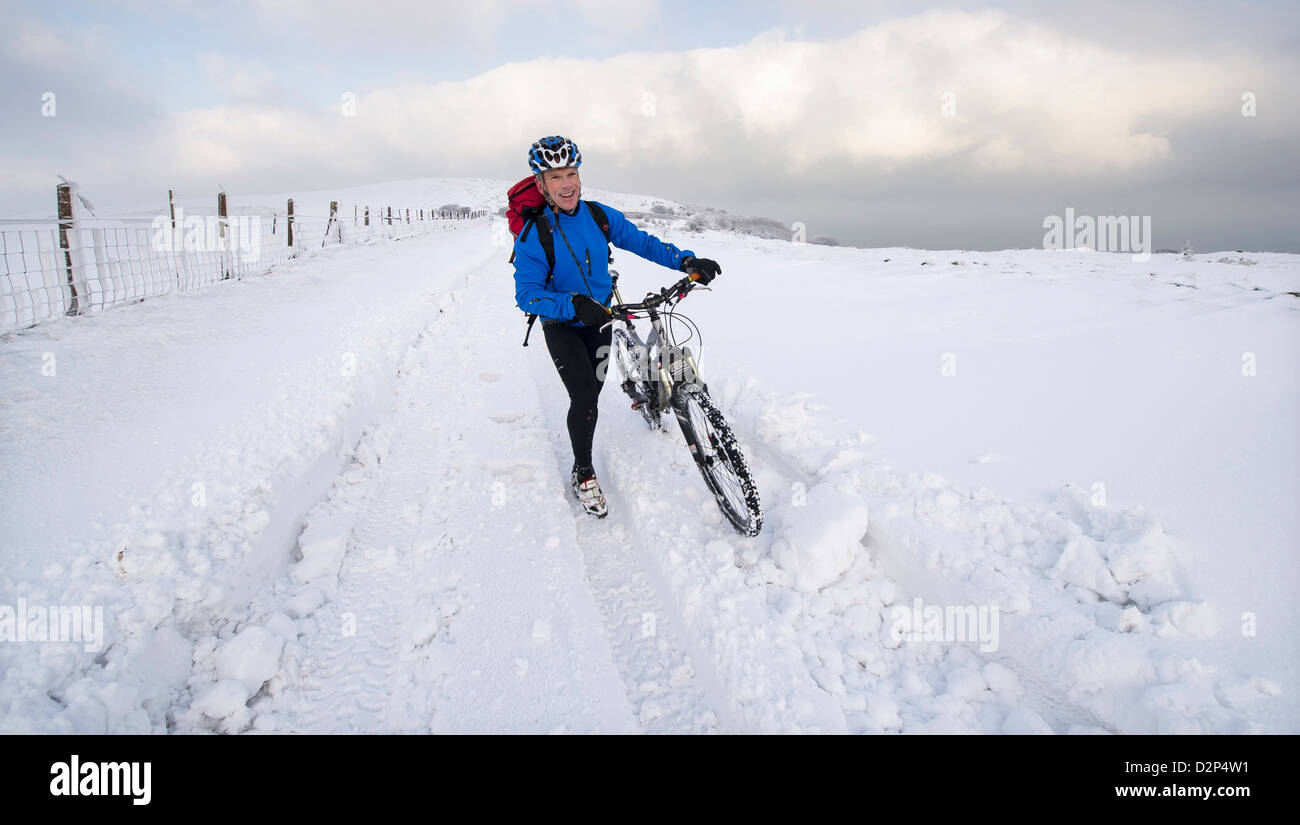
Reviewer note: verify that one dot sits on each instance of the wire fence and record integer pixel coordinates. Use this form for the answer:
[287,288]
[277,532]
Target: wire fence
[75,266]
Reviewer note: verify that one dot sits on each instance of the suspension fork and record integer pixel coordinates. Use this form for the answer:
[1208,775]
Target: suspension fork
[683,353]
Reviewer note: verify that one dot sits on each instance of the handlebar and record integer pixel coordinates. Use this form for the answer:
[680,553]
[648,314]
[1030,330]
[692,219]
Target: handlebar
[652,300]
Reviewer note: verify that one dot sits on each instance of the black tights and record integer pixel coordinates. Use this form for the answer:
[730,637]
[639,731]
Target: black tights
[577,354]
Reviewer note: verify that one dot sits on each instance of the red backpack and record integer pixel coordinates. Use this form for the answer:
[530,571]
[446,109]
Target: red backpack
[525,206]
[526,203]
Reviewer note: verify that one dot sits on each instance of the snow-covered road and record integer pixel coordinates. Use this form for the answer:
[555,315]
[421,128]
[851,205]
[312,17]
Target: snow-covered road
[335,499]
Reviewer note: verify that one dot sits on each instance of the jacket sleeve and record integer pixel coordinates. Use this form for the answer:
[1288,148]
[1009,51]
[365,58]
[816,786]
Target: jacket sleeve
[624,234]
[531,292]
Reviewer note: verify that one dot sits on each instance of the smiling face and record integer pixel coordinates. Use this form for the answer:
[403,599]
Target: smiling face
[563,187]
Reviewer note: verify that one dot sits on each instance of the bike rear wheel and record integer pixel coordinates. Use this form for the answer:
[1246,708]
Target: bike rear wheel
[718,455]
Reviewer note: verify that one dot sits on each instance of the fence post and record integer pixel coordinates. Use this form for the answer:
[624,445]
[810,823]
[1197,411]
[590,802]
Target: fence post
[408,214]
[390,216]
[288,222]
[334,208]
[171,204]
[67,222]
[221,227]
[367,216]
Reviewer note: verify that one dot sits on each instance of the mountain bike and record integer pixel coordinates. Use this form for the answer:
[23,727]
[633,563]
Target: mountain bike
[658,375]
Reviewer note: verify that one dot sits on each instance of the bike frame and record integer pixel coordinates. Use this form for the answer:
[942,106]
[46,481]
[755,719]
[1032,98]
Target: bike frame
[672,364]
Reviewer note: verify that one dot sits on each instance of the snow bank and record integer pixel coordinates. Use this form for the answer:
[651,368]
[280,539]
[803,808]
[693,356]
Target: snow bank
[819,538]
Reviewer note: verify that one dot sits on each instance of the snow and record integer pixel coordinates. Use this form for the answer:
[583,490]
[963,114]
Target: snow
[819,539]
[334,498]
[252,657]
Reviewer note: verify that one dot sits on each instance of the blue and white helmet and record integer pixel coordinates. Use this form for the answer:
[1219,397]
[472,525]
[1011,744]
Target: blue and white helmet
[553,152]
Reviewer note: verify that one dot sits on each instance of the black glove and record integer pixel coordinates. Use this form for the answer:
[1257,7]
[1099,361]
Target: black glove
[707,269]
[589,312]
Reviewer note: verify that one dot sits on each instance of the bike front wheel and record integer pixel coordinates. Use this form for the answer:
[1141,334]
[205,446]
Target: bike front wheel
[718,455]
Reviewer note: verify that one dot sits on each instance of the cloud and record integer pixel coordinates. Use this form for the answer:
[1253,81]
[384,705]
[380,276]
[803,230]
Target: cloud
[401,20]
[621,17]
[927,104]
[240,80]
[101,112]
[440,22]
[1022,97]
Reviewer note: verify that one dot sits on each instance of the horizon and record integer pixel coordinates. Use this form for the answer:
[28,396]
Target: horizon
[261,201]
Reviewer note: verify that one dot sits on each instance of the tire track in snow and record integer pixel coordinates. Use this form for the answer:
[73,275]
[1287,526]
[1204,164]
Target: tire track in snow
[370,667]
[754,672]
[661,676]
[467,616]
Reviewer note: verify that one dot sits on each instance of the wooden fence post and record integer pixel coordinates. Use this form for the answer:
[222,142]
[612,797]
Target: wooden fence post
[367,216]
[171,204]
[221,227]
[67,223]
[288,222]
[334,208]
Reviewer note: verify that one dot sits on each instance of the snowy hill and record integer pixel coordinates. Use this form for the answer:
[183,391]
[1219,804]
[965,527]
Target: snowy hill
[333,498]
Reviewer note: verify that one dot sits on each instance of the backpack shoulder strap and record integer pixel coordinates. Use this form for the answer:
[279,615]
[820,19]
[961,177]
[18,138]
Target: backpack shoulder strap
[547,241]
[545,238]
[602,220]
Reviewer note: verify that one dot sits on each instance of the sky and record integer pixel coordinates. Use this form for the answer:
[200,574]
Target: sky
[947,126]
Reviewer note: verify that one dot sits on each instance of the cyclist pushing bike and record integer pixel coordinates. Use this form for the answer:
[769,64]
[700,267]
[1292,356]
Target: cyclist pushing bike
[562,275]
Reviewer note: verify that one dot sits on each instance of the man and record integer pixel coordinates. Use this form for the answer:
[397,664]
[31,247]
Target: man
[573,303]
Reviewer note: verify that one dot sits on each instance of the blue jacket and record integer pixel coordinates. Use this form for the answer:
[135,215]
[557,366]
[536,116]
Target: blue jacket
[555,301]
